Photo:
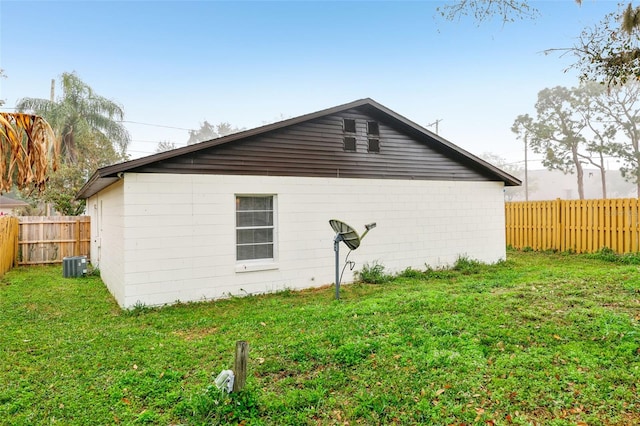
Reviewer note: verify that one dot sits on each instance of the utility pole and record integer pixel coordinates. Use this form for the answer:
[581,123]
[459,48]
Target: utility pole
[52,97]
[436,123]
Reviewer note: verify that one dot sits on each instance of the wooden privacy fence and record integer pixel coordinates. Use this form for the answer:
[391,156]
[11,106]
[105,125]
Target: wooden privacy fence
[48,239]
[584,226]
[8,243]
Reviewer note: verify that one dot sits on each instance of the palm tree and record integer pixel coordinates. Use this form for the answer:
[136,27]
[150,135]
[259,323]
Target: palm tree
[80,111]
[27,151]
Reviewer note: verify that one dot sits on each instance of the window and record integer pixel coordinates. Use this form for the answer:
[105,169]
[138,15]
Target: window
[254,227]
[349,144]
[374,145]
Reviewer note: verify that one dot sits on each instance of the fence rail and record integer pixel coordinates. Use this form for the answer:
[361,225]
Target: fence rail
[48,239]
[8,243]
[584,226]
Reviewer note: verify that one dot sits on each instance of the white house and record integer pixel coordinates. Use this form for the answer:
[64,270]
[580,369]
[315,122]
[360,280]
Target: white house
[9,205]
[249,212]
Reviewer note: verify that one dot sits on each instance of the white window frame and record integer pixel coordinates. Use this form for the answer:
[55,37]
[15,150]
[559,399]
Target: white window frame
[248,265]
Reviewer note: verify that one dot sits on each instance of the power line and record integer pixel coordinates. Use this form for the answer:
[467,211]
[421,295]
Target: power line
[135,122]
[157,141]
[156,125]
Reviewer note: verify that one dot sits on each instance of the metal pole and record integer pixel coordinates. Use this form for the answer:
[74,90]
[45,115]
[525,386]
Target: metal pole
[336,249]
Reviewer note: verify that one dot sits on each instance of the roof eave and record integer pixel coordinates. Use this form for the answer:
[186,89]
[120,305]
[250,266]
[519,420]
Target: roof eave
[96,183]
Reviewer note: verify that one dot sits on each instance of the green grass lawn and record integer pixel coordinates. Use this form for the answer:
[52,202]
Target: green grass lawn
[544,339]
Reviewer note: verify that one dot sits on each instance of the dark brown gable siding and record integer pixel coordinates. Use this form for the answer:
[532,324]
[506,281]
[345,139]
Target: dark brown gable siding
[315,148]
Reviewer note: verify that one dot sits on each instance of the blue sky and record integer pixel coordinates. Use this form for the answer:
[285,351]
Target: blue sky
[177,64]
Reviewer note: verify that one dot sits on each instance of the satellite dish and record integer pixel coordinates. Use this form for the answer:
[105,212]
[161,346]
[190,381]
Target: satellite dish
[349,235]
[350,238]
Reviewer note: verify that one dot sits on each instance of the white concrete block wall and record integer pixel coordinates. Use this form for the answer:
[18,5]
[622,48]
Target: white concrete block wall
[179,231]
[107,237]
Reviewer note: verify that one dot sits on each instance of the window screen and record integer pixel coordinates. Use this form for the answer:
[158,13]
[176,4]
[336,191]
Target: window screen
[254,227]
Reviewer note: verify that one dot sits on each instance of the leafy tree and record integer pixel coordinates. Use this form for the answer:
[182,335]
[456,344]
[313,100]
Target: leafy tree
[511,193]
[585,125]
[620,108]
[62,188]
[208,131]
[279,117]
[522,127]
[91,136]
[608,52]
[166,146]
[80,111]
[484,10]
[557,133]
[600,141]
[95,151]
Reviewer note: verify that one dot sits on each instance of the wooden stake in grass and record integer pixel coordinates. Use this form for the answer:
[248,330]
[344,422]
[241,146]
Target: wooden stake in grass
[240,365]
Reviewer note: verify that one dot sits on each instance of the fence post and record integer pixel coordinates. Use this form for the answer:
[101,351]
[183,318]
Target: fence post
[76,248]
[554,219]
[8,245]
[240,365]
[16,233]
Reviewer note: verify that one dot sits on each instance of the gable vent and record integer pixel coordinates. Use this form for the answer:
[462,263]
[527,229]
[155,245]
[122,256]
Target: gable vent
[372,128]
[349,125]
[349,143]
[374,145]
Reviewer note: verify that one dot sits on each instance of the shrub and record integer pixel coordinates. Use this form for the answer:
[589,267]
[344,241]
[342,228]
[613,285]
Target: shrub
[467,266]
[93,272]
[373,274]
[630,258]
[411,273]
[608,255]
[214,406]
[605,253]
[138,309]
[438,273]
